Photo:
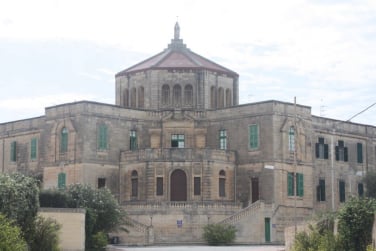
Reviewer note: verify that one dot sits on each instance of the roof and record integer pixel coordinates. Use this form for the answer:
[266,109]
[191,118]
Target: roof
[177,56]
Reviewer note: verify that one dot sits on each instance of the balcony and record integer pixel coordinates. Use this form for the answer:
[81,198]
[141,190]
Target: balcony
[178,154]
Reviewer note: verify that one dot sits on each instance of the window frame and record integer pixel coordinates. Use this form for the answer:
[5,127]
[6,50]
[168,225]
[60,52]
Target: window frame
[13,151]
[197,186]
[133,146]
[33,148]
[253,137]
[291,135]
[61,180]
[64,134]
[159,186]
[223,139]
[177,140]
[102,136]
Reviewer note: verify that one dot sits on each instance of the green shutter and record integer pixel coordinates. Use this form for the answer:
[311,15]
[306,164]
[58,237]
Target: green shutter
[13,151]
[64,140]
[290,184]
[253,137]
[102,137]
[61,179]
[33,148]
[299,185]
[359,147]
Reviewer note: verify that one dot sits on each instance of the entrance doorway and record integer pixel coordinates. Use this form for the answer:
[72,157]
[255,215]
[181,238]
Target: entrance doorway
[178,186]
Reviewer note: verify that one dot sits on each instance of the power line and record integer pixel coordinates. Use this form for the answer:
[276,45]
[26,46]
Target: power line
[360,112]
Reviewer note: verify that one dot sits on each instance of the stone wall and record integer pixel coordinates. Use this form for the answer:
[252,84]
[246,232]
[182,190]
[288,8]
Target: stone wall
[72,221]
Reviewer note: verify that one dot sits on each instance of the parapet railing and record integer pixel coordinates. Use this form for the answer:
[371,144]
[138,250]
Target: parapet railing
[176,154]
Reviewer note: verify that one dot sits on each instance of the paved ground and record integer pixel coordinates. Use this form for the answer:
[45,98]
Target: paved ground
[200,248]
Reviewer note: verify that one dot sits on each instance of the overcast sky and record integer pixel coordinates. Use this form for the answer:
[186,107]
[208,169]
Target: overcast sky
[321,51]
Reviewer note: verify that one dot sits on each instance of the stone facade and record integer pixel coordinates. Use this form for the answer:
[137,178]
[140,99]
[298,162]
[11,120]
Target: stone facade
[177,146]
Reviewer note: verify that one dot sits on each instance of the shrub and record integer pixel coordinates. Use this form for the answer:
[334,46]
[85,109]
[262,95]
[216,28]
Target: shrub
[10,236]
[99,241]
[45,236]
[219,234]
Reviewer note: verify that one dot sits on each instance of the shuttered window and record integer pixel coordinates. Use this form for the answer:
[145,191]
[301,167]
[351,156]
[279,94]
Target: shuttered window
[322,149]
[13,151]
[292,139]
[342,191]
[297,187]
[61,180]
[64,140]
[341,151]
[102,137]
[253,137]
[33,148]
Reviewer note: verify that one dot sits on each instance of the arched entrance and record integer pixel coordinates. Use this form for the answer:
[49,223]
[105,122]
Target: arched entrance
[178,186]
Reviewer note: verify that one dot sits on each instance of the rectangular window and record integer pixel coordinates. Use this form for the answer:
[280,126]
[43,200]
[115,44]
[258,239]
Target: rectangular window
[177,140]
[292,139]
[102,137]
[61,180]
[359,148]
[222,139]
[101,182]
[322,149]
[341,151]
[222,190]
[159,185]
[360,189]
[342,191]
[33,148]
[297,187]
[134,187]
[133,140]
[197,186]
[13,151]
[320,193]
[253,137]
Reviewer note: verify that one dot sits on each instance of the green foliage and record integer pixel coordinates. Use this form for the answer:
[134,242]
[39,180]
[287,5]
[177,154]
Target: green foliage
[53,198]
[316,239]
[219,234]
[45,235]
[19,201]
[10,236]
[370,182]
[355,223]
[370,248]
[99,241]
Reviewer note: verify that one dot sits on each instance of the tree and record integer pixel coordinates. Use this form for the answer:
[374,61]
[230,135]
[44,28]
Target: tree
[10,236]
[219,234]
[370,183]
[355,223]
[45,235]
[19,201]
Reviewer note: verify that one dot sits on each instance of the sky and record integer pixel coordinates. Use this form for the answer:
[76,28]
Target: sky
[322,52]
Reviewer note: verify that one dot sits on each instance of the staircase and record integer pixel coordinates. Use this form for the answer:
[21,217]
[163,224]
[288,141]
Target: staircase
[244,213]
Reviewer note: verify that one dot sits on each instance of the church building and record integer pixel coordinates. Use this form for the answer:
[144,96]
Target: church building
[178,151]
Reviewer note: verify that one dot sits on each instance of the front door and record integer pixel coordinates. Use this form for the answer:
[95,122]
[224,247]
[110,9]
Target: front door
[178,185]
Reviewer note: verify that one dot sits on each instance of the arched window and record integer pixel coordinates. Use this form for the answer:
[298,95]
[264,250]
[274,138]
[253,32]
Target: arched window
[133,97]
[291,139]
[64,140]
[188,95]
[177,95]
[134,182]
[141,97]
[212,97]
[228,97]
[126,98]
[165,95]
[220,98]
[222,183]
